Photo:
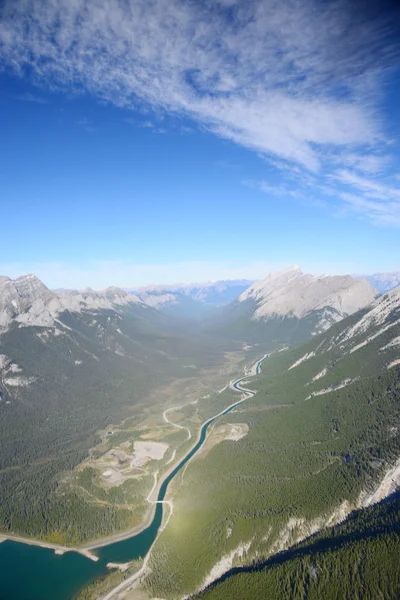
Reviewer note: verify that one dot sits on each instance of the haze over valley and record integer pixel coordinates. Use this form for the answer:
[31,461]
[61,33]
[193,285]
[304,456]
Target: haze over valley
[200,300]
[109,388]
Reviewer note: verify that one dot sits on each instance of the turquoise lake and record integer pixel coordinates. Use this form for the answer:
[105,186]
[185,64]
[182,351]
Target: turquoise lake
[34,573]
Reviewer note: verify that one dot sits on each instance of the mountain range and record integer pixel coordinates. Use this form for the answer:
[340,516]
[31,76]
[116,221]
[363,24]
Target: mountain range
[288,305]
[322,430]
[192,300]
[292,292]
[384,282]
[28,301]
[221,293]
[292,306]
[214,293]
[71,363]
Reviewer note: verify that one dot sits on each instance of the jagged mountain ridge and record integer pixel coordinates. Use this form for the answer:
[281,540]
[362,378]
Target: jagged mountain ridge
[210,294]
[373,333]
[27,301]
[292,292]
[376,327]
[291,306]
[384,282]
[71,363]
[172,303]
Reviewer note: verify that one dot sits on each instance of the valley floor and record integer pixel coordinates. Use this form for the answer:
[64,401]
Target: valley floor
[130,452]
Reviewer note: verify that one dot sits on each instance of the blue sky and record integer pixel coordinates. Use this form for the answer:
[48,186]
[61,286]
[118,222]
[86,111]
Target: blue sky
[155,142]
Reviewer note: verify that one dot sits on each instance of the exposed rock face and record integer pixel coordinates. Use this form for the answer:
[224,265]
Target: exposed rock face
[158,299]
[89,299]
[383,316]
[296,294]
[17,295]
[21,295]
[375,330]
[28,301]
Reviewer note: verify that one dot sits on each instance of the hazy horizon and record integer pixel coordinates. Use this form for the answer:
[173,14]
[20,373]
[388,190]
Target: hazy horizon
[103,283]
[176,158]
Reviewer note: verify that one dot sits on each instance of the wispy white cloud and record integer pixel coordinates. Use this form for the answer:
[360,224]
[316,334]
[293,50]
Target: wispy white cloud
[262,73]
[299,82]
[364,163]
[146,124]
[28,97]
[87,124]
[369,187]
[381,213]
[353,194]
[281,190]
[374,199]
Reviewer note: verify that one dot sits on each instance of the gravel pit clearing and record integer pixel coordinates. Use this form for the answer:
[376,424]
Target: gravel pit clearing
[153,450]
[121,466]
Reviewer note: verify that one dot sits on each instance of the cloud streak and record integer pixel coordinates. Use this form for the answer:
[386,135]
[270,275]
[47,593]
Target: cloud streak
[260,73]
[297,81]
[30,98]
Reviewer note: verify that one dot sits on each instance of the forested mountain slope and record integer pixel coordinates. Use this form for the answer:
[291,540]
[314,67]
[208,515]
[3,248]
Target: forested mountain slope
[323,439]
[70,364]
[358,559]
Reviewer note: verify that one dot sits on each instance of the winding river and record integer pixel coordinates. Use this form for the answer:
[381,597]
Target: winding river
[34,573]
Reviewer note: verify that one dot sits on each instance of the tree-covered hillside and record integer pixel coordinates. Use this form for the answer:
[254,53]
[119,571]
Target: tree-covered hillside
[324,430]
[359,559]
[59,385]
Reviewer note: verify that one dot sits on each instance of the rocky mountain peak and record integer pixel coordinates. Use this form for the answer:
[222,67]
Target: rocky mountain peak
[30,289]
[27,301]
[19,294]
[296,294]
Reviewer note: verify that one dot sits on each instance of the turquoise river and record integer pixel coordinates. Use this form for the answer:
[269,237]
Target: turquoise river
[30,572]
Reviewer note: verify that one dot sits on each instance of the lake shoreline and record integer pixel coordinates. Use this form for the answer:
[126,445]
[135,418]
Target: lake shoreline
[87,548]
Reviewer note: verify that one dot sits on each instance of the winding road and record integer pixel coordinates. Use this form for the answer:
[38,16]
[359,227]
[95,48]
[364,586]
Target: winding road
[175,424]
[247,393]
[138,542]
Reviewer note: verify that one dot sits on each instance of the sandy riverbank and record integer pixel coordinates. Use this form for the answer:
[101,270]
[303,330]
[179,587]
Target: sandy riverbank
[58,549]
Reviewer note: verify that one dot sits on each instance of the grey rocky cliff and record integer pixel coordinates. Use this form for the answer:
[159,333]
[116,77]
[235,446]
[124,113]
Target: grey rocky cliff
[297,294]
[28,302]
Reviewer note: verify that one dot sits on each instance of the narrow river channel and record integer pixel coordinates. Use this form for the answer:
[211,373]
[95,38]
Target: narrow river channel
[35,573]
